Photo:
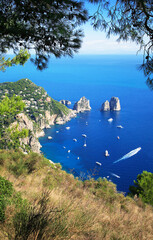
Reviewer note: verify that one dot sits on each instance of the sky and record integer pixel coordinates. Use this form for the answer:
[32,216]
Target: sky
[95,42]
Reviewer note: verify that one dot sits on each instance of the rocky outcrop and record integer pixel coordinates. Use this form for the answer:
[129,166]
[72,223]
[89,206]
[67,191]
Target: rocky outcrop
[113,105]
[65,102]
[23,122]
[66,118]
[82,105]
[105,106]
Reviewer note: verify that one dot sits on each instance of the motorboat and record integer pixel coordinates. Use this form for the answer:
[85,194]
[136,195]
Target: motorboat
[119,126]
[110,120]
[106,153]
[98,163]
[49,137]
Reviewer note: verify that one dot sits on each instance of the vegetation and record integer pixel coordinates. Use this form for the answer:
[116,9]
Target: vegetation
[5,193]
[48,203]
[20,58]
[10,135]
[36,99]
[47,27]
[143,187]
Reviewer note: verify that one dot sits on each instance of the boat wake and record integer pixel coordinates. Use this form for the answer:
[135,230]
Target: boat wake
[128,155]
[115,175]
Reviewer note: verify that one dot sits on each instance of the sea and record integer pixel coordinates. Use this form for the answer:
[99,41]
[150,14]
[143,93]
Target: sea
[98,78]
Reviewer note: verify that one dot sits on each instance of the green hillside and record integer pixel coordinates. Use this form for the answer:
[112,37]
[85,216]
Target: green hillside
[36,98]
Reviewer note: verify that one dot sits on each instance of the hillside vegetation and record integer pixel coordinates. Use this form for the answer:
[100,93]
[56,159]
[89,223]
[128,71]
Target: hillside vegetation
[36,98]
[44,202]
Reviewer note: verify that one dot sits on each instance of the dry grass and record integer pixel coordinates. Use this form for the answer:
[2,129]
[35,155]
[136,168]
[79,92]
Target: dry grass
[83,214]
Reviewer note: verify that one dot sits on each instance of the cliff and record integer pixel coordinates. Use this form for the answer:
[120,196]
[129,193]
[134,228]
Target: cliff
[40,111]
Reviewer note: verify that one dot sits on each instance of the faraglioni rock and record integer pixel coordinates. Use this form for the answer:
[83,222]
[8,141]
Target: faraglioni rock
[82,105]
[65,102]
[115,104]
[105,106]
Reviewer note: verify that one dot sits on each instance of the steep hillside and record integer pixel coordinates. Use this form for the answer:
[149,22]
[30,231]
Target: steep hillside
[26,109]
[40,107]
[47,203]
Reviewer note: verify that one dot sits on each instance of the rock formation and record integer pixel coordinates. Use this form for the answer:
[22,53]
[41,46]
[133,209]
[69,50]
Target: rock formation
[113,105]
[82,105]
[65,102]
[32,141]
[105,106]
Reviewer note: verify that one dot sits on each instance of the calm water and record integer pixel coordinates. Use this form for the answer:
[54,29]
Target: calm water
[98,78]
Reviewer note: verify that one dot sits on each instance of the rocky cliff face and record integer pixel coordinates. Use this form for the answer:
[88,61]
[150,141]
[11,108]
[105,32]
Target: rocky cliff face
[113,105]
[82,105]
[32,141]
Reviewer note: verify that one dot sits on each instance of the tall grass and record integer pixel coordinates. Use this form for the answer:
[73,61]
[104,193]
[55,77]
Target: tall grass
[61,207]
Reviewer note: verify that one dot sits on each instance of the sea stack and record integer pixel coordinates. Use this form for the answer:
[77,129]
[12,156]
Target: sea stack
[112,105]
[105,106]
[82,105]
[115,104]
[65,102]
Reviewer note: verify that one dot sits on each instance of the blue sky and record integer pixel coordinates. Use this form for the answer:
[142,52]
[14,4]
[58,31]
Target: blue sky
[95,42]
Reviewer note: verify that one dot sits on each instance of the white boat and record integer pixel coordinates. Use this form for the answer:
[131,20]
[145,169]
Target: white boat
[119,126]
[84,135]
[67,128]
[69,151]
[106,153]
[98,163]
[57,131]
[64,147]
[110,120]
[49,137]
[85,143]
[78,158]
[74,139]
[118,137]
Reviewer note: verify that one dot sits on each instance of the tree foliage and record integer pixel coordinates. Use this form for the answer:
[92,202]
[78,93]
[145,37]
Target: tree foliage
[20,58]
[9,136]
[143,187]
[130,20]
[46,26]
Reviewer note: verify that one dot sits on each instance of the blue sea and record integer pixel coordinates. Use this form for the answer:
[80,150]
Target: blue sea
[98,78]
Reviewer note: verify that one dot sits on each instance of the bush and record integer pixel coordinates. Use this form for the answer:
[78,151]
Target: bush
[143,187]
[6,191]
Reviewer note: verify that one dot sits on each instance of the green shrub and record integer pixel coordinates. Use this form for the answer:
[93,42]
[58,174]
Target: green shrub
[6,191]
[143,187]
